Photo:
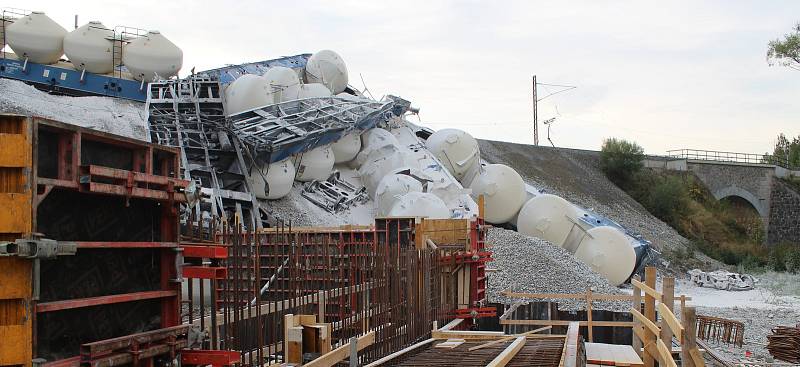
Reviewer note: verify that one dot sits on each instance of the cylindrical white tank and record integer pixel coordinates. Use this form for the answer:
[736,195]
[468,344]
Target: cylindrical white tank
[274,181]
[314,90]
[609,252]
[346,148]
[419,204]
[36,37]
[247,92]
[328,68]
[458,152]
[382,162]
[5,21]
[503,191]
[391,188]
[371,140]
[284,84]
[90,47]
[547,217]
[151,56]
[315,164]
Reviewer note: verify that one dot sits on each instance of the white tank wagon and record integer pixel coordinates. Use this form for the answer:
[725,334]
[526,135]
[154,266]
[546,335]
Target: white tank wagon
[503,190]
[327,67]
[273,181]
[373,139]
[420,204]
[608,252]
[442,183]
[346,148]
[391,188]
[382,162]
[458,151]
[247,92]
[91,47]
[314,90]
[151,57]
[284,84]
[548,217]
[37,38]
[315,164]
[5,21]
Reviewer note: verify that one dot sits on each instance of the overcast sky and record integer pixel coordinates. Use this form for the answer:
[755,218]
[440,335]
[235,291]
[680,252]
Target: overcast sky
[667,74]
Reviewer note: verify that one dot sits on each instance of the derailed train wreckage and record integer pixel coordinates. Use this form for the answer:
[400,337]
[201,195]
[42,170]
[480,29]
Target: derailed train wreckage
[241,136]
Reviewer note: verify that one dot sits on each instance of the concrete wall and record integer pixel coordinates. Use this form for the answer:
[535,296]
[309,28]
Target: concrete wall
[784,215]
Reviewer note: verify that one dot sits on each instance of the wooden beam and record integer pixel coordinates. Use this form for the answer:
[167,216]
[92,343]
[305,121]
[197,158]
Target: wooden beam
[595,296]
[665,356]
[647,289]
[569,357]
[636,342]
[646,322]
[468,335]
[650,314]
[484,345]
[689,336]
[567,322]
[672,322]
[450,325]
[333,357]
[589,315]
[507,354]
[400,352]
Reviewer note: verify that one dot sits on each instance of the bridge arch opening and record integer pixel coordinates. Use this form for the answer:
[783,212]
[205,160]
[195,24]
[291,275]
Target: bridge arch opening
[743,217]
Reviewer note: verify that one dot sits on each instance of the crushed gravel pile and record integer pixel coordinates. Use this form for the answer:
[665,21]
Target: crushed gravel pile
[531,265]
[107,114]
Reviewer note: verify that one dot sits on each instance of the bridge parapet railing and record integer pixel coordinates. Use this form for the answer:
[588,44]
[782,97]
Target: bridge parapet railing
[734,157]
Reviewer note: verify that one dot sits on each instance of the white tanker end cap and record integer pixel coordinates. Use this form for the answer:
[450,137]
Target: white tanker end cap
[608,252]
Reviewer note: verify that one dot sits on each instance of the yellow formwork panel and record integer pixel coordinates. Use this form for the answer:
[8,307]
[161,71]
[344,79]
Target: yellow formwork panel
[16,325]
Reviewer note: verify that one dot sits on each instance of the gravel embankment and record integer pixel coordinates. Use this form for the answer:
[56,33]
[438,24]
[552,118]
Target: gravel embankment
[112,115]
[531,265]
[576,176]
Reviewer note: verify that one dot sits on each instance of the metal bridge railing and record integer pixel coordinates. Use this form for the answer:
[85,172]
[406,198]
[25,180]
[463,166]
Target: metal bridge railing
[717,156]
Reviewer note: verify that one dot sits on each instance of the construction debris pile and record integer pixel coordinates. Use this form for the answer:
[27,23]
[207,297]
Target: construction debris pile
[784,343]
[531,265]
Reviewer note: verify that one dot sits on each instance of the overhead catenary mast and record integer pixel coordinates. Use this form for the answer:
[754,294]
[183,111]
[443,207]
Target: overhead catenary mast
[536,100]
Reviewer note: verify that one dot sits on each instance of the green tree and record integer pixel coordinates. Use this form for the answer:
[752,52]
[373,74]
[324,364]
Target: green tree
[786,51]
[621,160]
[785,150]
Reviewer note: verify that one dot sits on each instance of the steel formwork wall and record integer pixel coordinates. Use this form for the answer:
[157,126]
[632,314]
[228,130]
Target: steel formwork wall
[84,186]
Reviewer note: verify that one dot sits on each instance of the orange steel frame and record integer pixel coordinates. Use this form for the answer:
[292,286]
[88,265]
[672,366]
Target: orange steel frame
[21,191]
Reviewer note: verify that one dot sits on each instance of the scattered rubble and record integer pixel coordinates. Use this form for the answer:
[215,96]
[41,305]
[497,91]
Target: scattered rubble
[723,280]
[532,265]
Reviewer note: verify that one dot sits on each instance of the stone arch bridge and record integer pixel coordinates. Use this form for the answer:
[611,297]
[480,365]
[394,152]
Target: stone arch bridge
[748,177]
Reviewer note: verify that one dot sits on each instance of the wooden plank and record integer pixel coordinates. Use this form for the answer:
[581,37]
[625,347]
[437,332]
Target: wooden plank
[689,335]
[636,342]
[652,327]
[507,354]
[696,358]
[569,357]
[646,289]
[672,322]
[450,343]
[400,352]
[484,345]
[595,296]
[450,325]
[589,314]
[665,356]
[566,323]
[649,358]
[335,356]
[469,335]
[665,309]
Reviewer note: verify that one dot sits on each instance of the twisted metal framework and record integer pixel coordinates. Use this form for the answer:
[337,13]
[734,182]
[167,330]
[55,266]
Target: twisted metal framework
[277,131]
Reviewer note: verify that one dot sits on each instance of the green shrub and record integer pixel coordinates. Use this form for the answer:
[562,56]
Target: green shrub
[621,160]
[668,200]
